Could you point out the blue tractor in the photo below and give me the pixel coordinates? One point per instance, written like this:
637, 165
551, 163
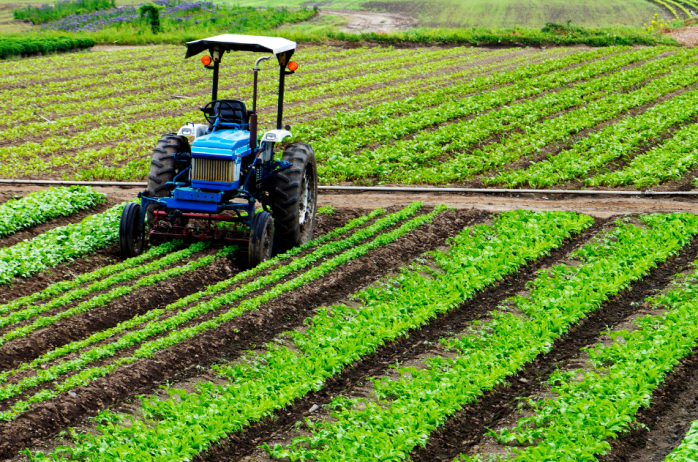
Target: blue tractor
210, 189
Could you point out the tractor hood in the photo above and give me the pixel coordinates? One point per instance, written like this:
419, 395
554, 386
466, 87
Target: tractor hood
222, 144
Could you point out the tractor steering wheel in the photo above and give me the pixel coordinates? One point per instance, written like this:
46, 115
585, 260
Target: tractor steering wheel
211, 115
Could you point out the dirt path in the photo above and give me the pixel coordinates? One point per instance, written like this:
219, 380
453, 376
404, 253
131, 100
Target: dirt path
601, 207
370, 21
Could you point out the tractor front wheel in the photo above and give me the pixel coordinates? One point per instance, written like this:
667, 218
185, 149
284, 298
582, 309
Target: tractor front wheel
131, 231
294, 199
261, 239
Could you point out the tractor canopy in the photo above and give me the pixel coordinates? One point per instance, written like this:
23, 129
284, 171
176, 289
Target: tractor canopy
282, 48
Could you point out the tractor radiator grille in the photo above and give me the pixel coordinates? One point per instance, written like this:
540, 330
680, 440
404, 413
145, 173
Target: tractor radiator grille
222, 171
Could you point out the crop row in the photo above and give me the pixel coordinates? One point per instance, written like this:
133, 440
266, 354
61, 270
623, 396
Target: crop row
337, 149
41, 206
531, 139
617, 141
395, 161
592, 406
141, 136
334, 339
63, 286
59, 245
411, 407
87, 85
104, 134
156, 266
114, 110
132, 86
350, 249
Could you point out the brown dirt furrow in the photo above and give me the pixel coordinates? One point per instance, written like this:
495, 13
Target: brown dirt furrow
240, 446
30, 233
466, 429
252, 328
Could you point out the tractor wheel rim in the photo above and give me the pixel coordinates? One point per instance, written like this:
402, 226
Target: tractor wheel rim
267, 241
304, 199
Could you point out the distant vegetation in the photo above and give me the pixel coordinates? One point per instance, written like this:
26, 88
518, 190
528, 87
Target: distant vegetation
174, 21
45, 13
23, 45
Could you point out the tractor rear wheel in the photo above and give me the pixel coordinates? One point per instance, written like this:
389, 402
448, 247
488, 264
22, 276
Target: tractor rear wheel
164, 168
261, 239
294, 199
131, 231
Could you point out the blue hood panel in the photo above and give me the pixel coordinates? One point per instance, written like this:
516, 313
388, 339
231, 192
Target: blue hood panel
221, 144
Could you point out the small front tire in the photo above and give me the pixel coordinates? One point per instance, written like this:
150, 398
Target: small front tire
261, 239
131, 233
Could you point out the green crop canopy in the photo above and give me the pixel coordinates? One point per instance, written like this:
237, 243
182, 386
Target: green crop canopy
232, 42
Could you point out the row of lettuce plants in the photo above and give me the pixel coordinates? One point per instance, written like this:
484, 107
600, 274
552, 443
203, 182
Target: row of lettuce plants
175, 321
392, 162
592, 406
617, 141
370, 115
668, 161
105, 271
60, 245
132, 105
146, 128
340, 149
334, 339
66, 85
74, 295
410, 408
38, 207
531, 139
139, 320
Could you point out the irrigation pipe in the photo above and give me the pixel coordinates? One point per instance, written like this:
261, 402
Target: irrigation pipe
397, 189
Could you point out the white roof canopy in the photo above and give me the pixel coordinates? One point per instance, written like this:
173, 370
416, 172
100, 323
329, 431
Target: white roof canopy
225, 42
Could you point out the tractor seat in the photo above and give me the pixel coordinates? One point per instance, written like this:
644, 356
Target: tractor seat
233, 112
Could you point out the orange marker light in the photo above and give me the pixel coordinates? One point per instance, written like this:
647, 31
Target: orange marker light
292, 66
206, 60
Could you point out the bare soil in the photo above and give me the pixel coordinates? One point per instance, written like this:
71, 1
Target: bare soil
371, 21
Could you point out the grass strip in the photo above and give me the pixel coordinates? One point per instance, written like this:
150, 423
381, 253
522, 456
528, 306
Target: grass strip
592, 406
335, 338
38, 207
176, 336
410, 408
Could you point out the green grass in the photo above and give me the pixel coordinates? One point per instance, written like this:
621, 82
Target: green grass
500, 13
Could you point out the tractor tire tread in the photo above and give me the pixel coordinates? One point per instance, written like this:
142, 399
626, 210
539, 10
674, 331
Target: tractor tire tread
286, 196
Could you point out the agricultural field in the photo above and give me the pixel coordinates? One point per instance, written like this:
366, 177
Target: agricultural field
602, 118
403, 330
410, 331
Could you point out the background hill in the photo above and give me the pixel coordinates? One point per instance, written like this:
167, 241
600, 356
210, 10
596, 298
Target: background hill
498, 13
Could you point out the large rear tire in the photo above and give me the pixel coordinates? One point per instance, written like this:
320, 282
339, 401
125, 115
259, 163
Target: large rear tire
294, 199
163, 169
261, 239
131, 231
